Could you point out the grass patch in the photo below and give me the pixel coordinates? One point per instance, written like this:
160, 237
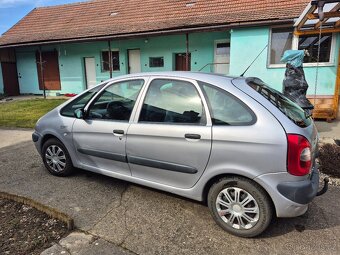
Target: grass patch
25, 114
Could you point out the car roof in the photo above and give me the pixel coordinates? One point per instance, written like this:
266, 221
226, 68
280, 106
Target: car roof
215, 79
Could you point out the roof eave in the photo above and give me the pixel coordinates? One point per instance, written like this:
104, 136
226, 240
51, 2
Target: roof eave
178, 30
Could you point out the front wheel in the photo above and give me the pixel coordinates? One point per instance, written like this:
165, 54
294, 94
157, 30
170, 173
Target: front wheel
240, 206
56, 158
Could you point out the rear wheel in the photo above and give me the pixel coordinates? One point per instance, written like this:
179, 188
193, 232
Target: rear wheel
240, 206
56, 158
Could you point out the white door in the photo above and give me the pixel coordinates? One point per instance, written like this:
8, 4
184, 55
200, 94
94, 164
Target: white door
90, 72
134, 61
222, 57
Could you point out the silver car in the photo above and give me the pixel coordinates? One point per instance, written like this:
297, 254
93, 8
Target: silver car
235, 143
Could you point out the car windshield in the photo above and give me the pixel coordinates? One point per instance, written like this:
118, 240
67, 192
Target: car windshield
80, 102
293, 111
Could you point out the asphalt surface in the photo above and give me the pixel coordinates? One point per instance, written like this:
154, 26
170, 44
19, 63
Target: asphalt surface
146, 221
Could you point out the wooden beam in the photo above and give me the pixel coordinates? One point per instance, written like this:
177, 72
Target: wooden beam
327, 15
337, 90
313, 32
305, 17
337, 24
334, 9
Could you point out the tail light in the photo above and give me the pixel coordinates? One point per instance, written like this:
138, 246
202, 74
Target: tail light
299, 160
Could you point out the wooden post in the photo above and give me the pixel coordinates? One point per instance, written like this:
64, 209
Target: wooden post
337, 90
42, 71
187, 68
110, 59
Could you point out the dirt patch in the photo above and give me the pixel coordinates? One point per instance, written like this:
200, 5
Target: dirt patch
25, 230
330, 160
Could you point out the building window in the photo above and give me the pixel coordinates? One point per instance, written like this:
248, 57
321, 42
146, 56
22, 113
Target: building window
106, 62
311, 44
156, 62
281, 40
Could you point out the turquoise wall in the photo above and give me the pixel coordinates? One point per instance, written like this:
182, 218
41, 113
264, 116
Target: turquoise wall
246, 44
1, 81
71, 58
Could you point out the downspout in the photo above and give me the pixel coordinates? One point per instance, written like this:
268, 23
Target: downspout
110, 59
42, 71
187, 67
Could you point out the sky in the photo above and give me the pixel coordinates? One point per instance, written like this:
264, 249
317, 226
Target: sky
11, 11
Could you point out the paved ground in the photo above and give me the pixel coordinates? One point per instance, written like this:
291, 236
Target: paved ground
146, 221
329, 130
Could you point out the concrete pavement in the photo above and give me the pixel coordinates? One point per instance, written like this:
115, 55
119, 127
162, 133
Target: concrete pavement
146, 221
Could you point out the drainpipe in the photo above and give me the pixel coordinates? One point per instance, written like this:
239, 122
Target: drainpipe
42, 71
110, 58
187, 52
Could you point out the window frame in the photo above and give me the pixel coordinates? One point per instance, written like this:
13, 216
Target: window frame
246, 107
161, 57
206, 113
102, 61
99, 93
295, 46
103, 84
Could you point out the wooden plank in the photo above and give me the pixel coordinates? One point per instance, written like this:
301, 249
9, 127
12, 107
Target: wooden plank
337, 24
313, 32
327, 15
302, 19
334, 9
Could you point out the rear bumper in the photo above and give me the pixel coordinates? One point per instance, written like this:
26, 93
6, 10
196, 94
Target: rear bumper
290, 194
302, 192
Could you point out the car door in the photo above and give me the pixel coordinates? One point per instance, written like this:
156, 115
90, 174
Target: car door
169, 141
100, 137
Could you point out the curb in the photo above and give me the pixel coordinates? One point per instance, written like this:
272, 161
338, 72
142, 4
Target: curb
43, 208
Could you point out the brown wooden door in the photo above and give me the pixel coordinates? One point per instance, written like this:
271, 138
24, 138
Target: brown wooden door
10, 78
50, 70
180, 61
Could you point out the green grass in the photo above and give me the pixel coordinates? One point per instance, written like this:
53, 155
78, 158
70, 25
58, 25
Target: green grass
25, 114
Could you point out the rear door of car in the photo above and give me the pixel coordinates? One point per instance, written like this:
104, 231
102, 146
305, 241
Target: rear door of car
169, 141
100, 137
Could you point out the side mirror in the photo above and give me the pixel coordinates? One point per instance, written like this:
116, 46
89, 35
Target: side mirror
79, 113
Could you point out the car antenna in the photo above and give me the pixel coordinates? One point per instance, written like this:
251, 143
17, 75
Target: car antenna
253, 61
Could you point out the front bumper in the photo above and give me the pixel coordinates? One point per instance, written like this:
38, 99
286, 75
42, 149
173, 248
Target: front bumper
36, 138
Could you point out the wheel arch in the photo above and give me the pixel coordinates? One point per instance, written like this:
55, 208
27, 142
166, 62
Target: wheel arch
214, 179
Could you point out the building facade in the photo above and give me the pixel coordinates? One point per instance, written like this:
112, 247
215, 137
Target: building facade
61, 61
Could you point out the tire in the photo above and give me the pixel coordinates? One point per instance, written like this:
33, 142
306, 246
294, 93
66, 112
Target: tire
247, 216
56, 158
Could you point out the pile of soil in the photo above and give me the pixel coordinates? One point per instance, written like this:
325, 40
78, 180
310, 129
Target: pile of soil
329, 158
25, 230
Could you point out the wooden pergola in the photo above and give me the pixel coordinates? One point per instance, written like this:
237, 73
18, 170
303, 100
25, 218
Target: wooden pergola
324, 14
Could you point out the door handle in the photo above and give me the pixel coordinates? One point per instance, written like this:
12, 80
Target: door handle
118, 132
193, 136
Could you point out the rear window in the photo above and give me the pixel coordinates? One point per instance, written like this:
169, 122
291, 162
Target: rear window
292, 110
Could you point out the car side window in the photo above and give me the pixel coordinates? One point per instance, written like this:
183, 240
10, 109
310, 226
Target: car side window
80, 102
172, 101
226, 109
116, 101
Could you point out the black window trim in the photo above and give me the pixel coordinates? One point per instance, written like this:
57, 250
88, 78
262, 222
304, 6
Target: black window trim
204, 121
101, 92
103, 85
246, 107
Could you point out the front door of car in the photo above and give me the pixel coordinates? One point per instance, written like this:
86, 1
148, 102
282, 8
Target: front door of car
169, 141
100, 137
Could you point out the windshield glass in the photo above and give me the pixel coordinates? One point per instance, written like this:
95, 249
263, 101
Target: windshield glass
80, 102
293, 111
